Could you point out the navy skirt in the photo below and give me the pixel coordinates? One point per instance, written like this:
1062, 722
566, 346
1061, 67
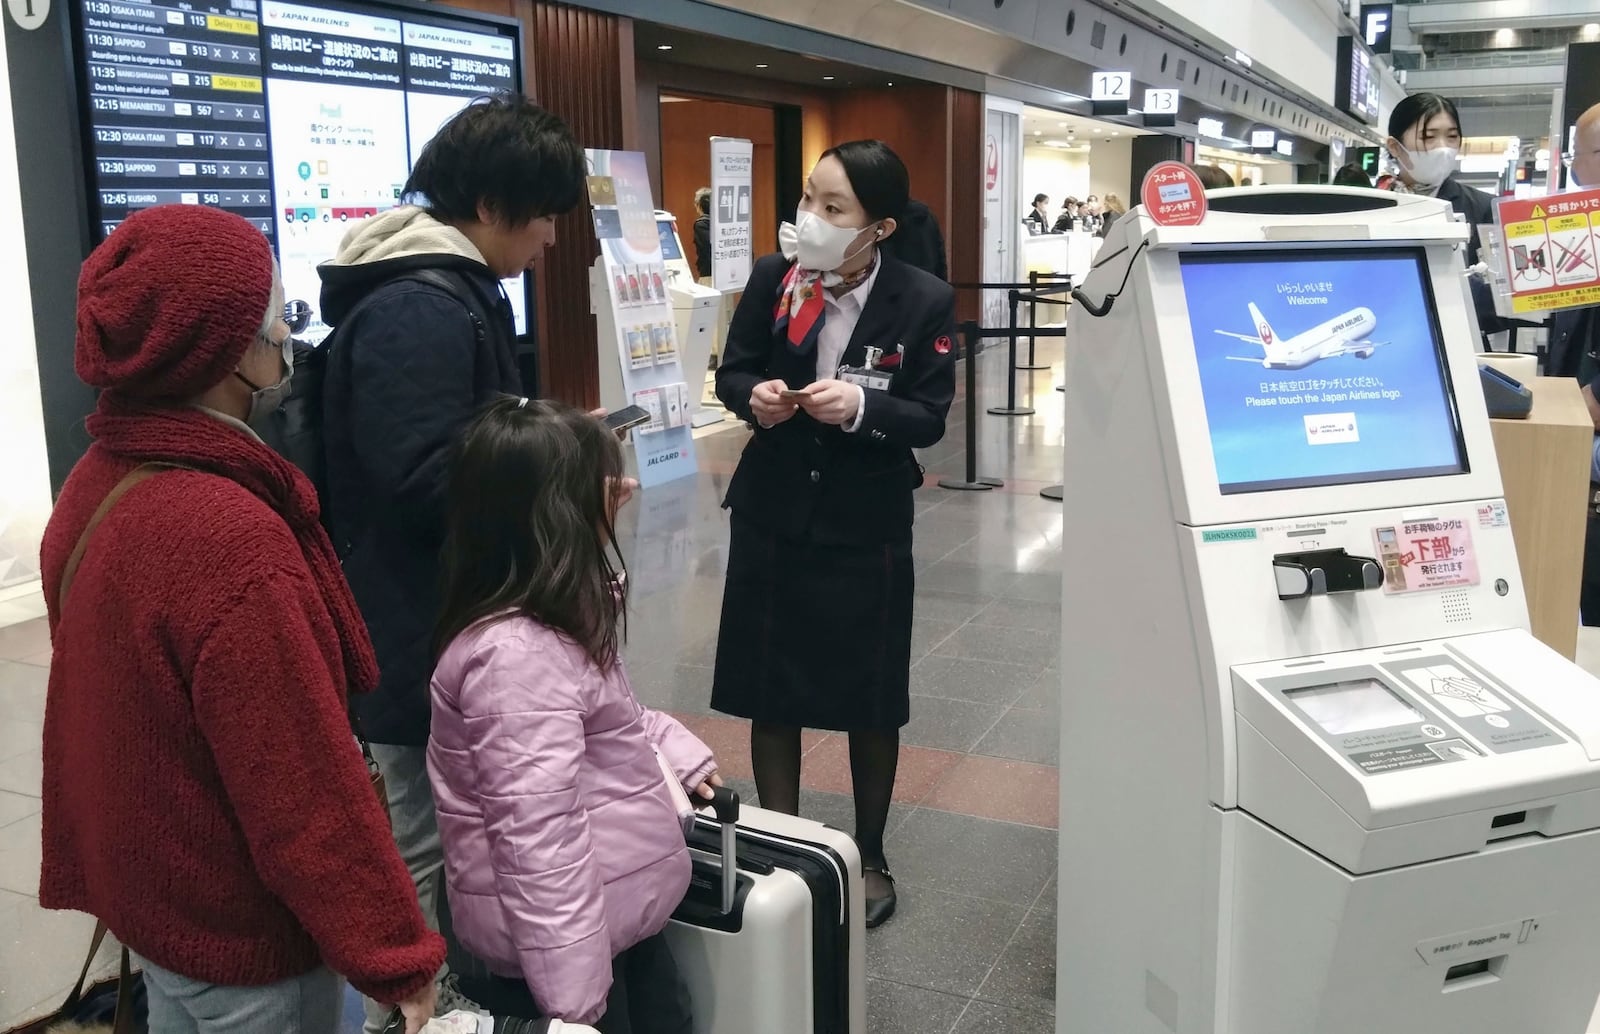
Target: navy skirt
813, 635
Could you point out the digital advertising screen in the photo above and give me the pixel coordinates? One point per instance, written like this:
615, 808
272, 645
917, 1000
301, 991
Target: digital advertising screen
303, 118
1321, 369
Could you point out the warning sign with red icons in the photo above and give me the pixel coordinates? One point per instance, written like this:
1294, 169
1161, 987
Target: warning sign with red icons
1553, 250
1173, 195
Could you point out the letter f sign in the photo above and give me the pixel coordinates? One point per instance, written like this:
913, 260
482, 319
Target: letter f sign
1377, 27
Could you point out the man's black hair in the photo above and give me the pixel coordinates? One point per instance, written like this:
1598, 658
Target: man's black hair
505, 152
1418, 110
877, 175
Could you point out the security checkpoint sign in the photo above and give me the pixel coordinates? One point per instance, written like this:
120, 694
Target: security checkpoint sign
1552, 250
1173, 195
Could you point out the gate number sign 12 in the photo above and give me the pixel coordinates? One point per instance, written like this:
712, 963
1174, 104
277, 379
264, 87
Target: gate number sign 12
1111, 86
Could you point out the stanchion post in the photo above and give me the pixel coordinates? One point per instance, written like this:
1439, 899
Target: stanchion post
1011, 408
970, 334
1033, 322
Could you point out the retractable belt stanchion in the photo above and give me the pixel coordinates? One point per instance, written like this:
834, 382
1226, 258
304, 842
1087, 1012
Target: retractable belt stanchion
970, 336
1011, 408
1033, 319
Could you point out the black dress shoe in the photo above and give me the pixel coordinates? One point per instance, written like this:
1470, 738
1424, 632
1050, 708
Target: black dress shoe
880, 909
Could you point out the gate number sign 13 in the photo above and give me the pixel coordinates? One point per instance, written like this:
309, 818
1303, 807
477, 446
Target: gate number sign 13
1111, 86
1161, 102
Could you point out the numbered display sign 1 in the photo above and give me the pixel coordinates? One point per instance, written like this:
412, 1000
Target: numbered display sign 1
1160, 108
29, 14
1110, 92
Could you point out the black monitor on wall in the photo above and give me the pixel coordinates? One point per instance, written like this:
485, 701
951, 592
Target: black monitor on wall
304, 118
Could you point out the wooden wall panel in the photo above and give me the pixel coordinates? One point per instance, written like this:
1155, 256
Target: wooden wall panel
582, 65
963, 235
686, 128
658, 77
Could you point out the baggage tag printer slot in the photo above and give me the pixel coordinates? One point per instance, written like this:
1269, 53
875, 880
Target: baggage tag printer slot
1320, 572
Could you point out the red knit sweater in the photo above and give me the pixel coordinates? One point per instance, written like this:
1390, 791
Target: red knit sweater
202, 791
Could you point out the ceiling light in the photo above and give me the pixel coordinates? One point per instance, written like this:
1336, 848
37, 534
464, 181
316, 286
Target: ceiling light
761, 66
1094, 130
827, 78
1505, 35
1038, 132
891, 84
1591, 30
1115, 134
664, 46
1062, 125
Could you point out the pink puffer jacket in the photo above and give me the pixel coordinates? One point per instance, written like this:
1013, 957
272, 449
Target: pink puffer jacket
562, 845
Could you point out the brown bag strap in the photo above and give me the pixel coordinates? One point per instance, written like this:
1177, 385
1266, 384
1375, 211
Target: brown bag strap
129, 481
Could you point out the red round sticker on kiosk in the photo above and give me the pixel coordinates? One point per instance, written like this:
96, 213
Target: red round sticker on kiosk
1173, 195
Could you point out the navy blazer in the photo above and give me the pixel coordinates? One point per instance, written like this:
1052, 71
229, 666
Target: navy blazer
806, 480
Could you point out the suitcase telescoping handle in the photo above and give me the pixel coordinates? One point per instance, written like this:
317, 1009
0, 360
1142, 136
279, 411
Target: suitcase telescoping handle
725, 806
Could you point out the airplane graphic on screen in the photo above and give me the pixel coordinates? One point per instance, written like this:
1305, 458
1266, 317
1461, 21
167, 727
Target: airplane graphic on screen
1349, 334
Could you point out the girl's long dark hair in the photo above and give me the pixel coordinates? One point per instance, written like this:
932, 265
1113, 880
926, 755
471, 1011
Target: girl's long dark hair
531, 526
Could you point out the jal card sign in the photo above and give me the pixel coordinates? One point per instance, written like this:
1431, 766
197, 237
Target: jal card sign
641, 311
1173, 195
1426, 554
731, 162
1553, 250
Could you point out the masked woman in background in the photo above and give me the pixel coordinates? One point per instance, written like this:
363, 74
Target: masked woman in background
1425, 142
842, 360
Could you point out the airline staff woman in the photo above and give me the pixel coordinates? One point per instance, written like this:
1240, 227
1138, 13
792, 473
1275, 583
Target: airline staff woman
1425, 142
842, 360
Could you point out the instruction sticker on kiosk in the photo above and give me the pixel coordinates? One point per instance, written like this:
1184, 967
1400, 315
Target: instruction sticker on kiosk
1173, 195
1427, 554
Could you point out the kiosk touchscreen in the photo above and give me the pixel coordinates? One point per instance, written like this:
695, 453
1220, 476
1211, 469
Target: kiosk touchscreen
1317, 777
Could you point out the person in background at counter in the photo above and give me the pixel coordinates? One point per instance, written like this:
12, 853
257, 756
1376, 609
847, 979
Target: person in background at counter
1115, 210
1067, 220
1038, 219
1575, 352
1425, 142
1212, 177
1089, 215
1352, 176
702, 232
842, 359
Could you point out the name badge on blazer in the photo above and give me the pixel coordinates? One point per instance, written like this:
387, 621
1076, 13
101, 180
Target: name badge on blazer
876, 373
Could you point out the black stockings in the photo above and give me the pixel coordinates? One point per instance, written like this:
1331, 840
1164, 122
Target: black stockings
874, 759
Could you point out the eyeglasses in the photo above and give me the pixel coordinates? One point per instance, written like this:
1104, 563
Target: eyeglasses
298, 315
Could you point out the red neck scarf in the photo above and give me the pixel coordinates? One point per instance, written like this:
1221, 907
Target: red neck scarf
802, 309
145, 433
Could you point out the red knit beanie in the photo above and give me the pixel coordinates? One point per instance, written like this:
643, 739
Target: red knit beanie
170, 303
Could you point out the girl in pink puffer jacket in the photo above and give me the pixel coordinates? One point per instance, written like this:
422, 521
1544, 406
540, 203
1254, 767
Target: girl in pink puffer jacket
564, 853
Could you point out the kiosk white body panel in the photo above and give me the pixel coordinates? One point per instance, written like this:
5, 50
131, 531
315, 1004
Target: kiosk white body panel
1375, 808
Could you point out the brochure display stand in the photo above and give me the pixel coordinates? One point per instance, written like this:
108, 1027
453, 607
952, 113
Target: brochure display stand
639, 357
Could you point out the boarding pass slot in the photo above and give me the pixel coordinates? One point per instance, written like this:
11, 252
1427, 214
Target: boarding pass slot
1511, 825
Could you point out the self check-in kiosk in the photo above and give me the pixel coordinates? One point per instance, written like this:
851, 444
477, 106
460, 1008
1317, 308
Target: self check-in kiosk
697, 311
1316, 775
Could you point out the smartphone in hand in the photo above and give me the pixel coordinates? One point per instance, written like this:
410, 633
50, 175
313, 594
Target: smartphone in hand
627, 418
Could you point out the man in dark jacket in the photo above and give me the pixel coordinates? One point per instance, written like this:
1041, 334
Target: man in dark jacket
702, 232
412, 361
919, 242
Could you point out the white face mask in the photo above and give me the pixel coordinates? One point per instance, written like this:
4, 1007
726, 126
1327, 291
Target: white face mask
818, 245
1431, 168
266, 401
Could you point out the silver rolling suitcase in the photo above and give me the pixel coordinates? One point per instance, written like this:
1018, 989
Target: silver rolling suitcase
771, 936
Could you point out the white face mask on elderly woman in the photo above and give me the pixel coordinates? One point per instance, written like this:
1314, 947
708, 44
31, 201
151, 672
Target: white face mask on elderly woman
264, 401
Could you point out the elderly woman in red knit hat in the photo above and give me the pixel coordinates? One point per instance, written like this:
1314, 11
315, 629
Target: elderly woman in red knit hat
203, 795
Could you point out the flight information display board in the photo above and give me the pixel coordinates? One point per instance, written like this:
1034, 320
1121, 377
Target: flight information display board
302, 118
